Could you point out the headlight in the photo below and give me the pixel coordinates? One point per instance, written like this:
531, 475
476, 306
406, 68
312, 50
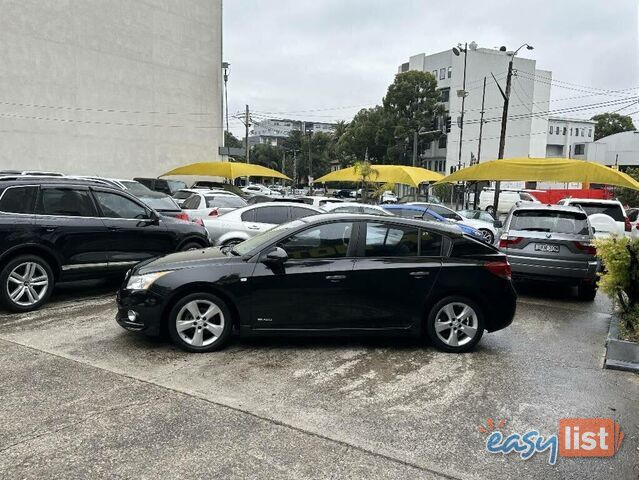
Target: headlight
143, 282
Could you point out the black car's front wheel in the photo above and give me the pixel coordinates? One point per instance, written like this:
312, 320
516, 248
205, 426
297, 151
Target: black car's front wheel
27, 283
200, 322
455, 324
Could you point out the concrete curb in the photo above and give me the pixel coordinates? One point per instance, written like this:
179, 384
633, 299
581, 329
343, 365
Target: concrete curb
620, 354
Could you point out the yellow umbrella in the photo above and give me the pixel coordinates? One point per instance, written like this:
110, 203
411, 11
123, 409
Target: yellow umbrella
543, 170
403, 174
230, 170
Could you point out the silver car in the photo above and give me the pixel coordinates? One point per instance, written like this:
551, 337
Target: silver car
551, 243
244, 223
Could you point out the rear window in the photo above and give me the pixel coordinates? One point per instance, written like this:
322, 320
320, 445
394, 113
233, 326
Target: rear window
612, 210
224, 201
550, 221
18, 200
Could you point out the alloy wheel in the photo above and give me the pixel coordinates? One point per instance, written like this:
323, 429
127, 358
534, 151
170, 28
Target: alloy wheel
488, 235
456, 324
200, 323
27, 284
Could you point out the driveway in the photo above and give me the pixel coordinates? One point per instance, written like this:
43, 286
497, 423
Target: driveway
80, 397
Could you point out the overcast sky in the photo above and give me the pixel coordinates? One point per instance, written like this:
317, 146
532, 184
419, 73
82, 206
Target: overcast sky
337, 56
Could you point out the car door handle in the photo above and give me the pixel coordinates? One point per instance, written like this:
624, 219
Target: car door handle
114, 229
419, 274
335, 278
253, 227
50, 229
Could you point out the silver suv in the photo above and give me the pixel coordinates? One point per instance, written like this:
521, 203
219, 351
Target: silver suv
551, 243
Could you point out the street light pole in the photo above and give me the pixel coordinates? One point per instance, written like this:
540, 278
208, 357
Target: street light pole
225, 66
456, 51
504, 117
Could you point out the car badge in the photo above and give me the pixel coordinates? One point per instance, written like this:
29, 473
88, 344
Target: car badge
548, 235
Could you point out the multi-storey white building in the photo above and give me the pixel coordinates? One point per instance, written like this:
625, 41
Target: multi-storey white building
529, 99
275, 131
568, 137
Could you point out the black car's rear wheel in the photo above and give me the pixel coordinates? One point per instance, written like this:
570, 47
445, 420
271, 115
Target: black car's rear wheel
587, 291
26, 282
200, 322
455, 324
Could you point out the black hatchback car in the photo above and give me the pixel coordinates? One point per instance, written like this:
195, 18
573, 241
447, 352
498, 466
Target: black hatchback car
59, 229
326, 274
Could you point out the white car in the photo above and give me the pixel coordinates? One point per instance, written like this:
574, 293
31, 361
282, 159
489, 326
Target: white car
211, 204
181, 195
256, 189
507, 199
319, 201
595, 208
388, 197
488, 230
246, 222
352, 207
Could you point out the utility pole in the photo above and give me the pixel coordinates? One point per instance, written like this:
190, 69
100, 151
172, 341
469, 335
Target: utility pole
294, 170
481, 131
504, 116
225, 66
310, 163
415, 142
247, 124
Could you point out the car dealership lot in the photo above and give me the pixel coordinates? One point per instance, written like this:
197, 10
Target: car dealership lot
82, 397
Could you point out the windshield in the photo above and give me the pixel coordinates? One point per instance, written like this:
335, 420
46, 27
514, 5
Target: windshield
251, 244
549, 221
612, 210
225, 201
161, 203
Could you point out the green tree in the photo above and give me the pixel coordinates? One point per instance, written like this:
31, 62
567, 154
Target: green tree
628, 196
367, 173
267, 155
611, 123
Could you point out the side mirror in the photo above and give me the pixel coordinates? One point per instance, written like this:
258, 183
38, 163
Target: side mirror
276, 256
594, 230
154, 218
498, 224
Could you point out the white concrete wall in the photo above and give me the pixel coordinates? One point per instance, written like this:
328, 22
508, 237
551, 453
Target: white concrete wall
119, 88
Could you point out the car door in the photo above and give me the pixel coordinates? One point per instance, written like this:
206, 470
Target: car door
394, 273
313, 289
133, 235
67, 221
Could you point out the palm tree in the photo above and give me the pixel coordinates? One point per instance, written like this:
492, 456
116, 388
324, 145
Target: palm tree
364, 169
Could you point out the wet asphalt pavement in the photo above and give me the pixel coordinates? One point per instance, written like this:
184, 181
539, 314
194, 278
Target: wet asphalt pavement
82, 398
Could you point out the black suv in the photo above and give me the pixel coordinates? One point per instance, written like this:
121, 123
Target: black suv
62, 229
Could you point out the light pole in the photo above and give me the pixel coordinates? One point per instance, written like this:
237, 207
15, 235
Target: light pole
457, 51
504, 116
225, 67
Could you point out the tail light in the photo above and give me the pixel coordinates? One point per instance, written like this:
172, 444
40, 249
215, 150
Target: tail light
585, 247
501, 269
183, 216
214, 213
627, 224
505, 241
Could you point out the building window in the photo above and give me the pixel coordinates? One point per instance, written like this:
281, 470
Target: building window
428, 144
444, 95
590, 132
565, 130
435, 74
405, 67
551, 130
442, 73
442, 141
576, 132
583, 132
450, 72
571, 132
556, 130
580, 148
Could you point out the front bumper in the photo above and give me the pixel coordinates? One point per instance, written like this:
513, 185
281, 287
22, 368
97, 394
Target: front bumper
148, 308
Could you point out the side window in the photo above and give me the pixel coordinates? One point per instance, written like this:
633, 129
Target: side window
117, 206
445, 212
18, 199
326, 241
273, 215
66, 202
430, 244
249, 215
391, 240
301, 212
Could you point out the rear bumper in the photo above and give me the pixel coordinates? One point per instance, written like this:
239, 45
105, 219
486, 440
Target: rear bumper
501, 311
553, 270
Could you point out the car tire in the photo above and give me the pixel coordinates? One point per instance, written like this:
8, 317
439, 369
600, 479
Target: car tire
192, 328
587, 292
449, 322
35, 273
488, 235
190, 246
